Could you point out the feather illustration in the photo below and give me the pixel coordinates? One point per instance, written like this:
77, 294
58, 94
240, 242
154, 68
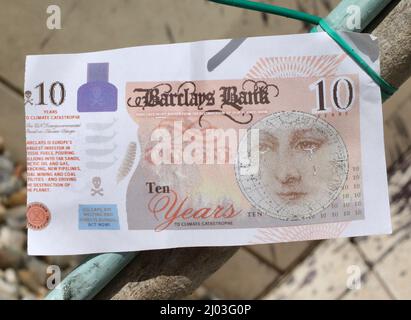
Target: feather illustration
99, 139
98, 126
97, 165
100, 152
128, 161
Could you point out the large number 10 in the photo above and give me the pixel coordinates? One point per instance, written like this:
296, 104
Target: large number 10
52, 92
339, 84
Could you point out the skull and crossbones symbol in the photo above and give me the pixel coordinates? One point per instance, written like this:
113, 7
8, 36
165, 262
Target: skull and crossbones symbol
96, 181
28, 99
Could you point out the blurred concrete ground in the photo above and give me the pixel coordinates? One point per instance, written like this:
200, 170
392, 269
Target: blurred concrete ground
292, 270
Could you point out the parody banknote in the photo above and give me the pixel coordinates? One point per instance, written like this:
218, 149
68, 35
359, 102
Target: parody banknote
211, 143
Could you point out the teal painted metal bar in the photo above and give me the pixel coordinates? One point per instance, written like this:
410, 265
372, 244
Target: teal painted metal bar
91, 276
368, 12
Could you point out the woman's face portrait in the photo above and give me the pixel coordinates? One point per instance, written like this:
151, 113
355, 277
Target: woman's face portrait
303, 165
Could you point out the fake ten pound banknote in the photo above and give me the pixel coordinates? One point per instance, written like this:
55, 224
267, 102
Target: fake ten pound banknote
212, 143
